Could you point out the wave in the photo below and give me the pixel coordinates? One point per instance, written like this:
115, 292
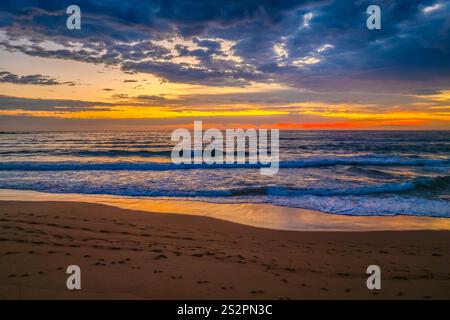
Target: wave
389, 205
423, 183
102, 153
356, 201
90, 153
149, 166
364, 161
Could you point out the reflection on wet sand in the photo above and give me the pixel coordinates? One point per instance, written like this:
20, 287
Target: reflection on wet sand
258, 215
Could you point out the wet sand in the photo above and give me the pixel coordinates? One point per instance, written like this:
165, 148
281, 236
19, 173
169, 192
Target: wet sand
252, 214
131, 254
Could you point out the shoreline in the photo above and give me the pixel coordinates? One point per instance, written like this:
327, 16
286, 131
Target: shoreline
257, 215
130, 254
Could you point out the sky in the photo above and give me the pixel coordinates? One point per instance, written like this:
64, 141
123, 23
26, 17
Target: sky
294, 65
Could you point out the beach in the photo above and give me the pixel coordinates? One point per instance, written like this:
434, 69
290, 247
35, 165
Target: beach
229, 150
131, 254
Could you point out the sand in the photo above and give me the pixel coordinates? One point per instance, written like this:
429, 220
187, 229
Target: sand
261, 215
129, 254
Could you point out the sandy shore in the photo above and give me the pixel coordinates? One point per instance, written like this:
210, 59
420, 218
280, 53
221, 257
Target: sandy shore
252, 214
134, 254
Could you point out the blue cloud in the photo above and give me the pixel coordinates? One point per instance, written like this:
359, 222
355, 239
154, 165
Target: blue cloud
412, 48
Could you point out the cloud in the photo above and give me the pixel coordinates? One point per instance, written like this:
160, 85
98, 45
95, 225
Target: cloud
293, 100
28, 104
432, 8
427, 92
326, 45
34, 79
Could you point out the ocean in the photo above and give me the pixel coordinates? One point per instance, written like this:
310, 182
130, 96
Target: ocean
339, 172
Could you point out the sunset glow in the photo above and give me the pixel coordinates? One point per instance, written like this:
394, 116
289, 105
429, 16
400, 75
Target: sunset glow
304, 76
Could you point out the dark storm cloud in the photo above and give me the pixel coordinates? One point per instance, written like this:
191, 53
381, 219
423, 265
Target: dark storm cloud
27, 104
411, 51
427, 92
183, 73
34, 79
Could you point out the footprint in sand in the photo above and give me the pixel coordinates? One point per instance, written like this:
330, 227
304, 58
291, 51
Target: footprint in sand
99, 264
257, 292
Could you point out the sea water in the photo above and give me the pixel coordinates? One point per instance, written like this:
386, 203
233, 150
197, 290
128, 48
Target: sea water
341, 172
